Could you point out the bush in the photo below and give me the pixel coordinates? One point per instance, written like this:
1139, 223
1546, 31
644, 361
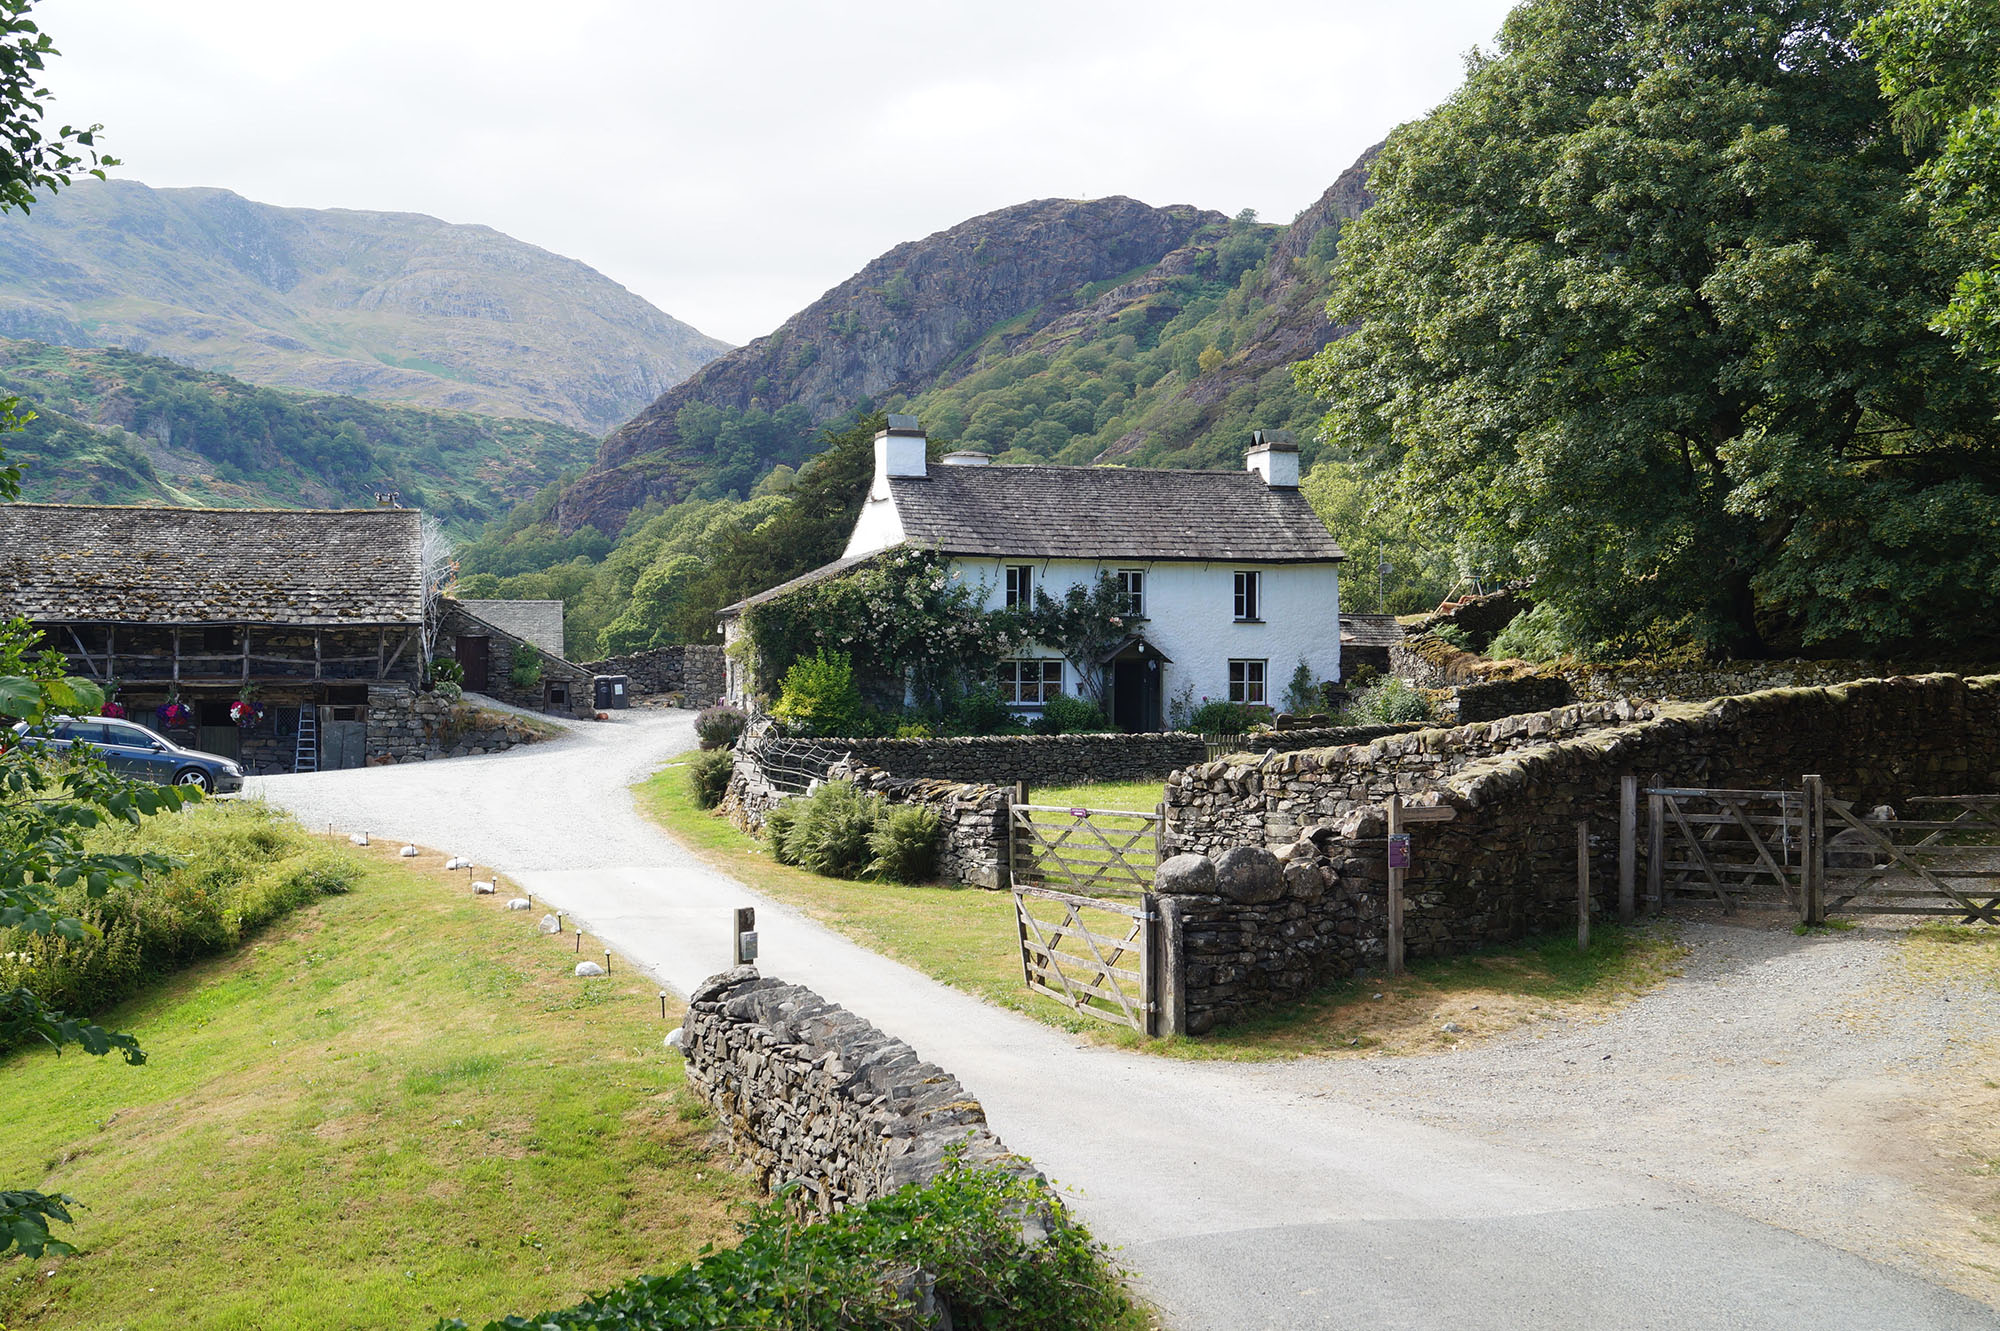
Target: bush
449, 691
905, 842
708, 777
1391, 702
963, 1228
445, 670
778, 820
1536, 634
1221, 718
830, 831
982, 711
526, 670
1065, 715
241, 867
719, 727
1301, 694
818, 696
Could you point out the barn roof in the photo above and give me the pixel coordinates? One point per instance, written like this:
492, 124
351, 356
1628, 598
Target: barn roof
1110, 513
130, 565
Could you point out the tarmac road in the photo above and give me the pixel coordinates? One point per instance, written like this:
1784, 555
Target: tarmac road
1239, 1202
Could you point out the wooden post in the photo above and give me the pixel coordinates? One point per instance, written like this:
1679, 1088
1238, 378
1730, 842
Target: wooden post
1628, 847
1812, 851
1656, 853
246, 655
1149, 964
177, 653
1395, 809
1019, 796
1583, 885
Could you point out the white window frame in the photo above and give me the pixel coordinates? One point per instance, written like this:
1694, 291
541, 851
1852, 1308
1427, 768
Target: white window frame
1249, 596
1249, 681
1018, 690
1133, 582
1019, 580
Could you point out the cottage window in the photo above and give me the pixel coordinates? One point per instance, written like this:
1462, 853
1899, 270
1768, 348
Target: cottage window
1030, 683
1020, 585
1133, 582
1246, 680
1248, 599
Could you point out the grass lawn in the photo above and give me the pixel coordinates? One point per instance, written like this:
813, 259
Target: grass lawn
1137, 796
390, 1106
965, 937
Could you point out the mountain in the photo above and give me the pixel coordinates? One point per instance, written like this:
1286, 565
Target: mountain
395, 307
114, 426
891, 329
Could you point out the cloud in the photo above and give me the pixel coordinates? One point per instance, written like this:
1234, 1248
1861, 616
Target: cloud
731, 163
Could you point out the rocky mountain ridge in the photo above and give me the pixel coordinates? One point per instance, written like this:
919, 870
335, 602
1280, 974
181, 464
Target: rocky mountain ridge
395, 307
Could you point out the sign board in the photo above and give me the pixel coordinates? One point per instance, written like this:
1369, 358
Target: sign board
745, 950
1399, 850
1440, 813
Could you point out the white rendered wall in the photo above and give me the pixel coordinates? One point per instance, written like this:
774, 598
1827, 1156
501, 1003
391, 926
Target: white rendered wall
879, 526
1190, 616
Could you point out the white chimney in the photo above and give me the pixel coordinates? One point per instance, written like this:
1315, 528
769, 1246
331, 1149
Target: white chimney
900, 450
968, 457
1275, 457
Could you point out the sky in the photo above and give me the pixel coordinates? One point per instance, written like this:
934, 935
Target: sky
732, 162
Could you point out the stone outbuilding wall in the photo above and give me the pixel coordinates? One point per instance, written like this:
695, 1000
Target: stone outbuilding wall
1505, 865
695, 671
406, 726
811, 1093
459, 622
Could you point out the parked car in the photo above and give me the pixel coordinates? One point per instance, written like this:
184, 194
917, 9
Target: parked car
131, 750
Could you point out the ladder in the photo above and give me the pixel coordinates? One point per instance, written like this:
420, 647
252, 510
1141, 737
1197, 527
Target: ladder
305, 756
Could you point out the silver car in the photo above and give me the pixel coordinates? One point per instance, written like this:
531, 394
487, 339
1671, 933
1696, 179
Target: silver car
131, 750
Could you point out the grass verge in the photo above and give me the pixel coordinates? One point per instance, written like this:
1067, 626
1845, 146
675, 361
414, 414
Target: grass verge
1953, 952
965, 937
390, 1106
1137, 796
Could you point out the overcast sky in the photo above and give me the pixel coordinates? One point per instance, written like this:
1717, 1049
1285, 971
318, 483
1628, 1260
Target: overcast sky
730, 162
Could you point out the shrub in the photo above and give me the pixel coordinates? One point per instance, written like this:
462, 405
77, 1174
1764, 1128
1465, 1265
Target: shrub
1301, 694
915, 730
719, 727
818, 696
1391, 702
1065, 715
851, 1270
449, 691
445, 670
1536, 634
905, 842
982, 711
526, 670
708, 777
1455, 635
829, 833
1221, 718
241, 867
778, 820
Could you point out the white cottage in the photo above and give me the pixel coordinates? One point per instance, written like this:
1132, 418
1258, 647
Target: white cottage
1233, 578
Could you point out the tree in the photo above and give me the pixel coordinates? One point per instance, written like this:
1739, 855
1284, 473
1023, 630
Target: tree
1940, 62
1644, 304
30, 158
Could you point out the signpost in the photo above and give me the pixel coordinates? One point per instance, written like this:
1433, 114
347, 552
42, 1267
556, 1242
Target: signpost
1399, 864
745, 950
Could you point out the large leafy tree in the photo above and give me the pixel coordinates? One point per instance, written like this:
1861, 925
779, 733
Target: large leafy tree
1940, 61
32, 156
1646, 303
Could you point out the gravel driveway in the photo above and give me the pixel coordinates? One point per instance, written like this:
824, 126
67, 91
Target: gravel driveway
1696, 1178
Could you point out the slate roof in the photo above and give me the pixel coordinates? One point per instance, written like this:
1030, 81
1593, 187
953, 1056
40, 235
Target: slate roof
129, 565
1370, 631
804, 579
1110, 513
539, 622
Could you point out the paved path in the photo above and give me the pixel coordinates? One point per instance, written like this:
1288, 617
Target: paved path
1239, 1202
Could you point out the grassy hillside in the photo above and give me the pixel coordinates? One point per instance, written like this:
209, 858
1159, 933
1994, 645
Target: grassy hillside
118, 427
396, 1105
393, 307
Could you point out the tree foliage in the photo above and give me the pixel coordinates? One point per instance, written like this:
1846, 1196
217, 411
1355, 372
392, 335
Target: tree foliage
1940, 62
1645, 304
33, 158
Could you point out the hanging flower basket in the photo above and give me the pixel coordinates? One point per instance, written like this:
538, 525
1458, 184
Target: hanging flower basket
113, 709
175, 715
246, 713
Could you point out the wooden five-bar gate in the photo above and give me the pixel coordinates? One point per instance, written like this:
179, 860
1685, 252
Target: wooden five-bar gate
1805, 852
1084, 907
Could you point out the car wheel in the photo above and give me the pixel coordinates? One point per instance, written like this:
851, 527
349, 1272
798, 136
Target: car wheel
194, 776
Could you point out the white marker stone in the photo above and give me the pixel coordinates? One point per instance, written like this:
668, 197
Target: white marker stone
586, 969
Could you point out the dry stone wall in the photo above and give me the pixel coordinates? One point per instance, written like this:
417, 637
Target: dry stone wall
1633, 679
972, 819
1505, 865
693, 670
406, 726
1466, 687
811, 1093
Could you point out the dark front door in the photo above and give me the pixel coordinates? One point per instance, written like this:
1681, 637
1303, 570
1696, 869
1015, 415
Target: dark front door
1135, 695
472, 655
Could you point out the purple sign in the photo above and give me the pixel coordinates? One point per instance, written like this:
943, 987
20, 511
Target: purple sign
1399, 851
